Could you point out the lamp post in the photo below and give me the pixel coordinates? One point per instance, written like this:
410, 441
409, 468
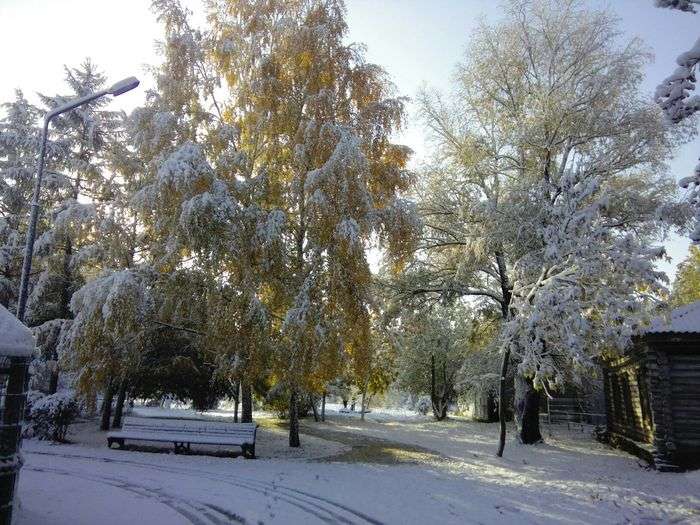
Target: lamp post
117, 89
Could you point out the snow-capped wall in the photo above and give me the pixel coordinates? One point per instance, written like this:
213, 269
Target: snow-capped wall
15, 338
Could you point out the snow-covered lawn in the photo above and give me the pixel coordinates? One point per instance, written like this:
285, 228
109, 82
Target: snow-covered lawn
571, 479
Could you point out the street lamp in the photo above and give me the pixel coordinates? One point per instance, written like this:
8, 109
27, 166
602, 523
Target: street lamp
115, 90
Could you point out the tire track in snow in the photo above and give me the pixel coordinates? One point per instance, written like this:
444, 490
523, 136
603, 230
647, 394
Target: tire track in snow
193, 512
325, 509
316, 510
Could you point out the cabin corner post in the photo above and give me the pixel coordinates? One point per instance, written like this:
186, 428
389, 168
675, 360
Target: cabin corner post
659, 379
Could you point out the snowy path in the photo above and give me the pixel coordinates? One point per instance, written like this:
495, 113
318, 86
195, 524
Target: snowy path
571, 478
568, 480
198, 496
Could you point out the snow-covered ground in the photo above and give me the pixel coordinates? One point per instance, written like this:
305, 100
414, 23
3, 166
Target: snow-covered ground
571, 479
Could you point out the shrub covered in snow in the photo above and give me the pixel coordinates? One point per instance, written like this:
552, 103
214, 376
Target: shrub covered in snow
277, 401
423, 405
50, 416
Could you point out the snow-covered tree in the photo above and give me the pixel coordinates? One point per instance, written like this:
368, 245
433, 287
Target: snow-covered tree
81, 199
675, 98
315, 122
433, 346
547, 189
681, 5
75, 197
19, 146
106, 338
211, 240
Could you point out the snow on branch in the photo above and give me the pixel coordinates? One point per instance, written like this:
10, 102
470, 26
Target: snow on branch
681, 5
673, 96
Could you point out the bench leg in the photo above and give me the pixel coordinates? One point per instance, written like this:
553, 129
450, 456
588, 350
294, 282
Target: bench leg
248, 451
118, 441
181, 447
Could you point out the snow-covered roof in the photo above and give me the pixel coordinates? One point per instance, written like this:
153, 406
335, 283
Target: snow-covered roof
684, 319
15, 338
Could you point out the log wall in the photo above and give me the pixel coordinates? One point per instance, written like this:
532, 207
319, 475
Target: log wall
653, 397
627, 400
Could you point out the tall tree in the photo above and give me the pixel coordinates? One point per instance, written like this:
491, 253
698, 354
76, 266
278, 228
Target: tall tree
432, 350
674, 97
19, 139
547, 187
81, 198
211, 243
76, 190
686, 287
316, 120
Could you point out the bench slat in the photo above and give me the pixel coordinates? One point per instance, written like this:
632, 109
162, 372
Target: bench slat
201, 439
186, 431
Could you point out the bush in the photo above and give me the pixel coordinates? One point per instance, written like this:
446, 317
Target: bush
424, 405
50, 416
32, 397
277, 402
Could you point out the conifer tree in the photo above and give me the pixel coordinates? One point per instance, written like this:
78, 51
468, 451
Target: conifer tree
81, 197
19, 137
75, 195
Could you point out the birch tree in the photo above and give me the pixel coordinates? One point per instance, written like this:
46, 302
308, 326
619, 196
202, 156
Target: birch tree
211, 242
316, 119
547, 189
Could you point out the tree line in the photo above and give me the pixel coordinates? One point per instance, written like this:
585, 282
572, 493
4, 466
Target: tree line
215, 242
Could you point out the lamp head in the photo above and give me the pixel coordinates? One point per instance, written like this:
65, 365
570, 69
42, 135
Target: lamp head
123, 86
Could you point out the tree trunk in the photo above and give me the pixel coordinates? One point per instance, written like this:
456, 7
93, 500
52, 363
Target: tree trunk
119, 408
438, 402
314, 408
236, 401
432, 383
246, 403
502, 403
107, 407
505, 313
323, 406
91, 404
440, 405
293, 420
363, 404
53, 380
66, 294
527, 411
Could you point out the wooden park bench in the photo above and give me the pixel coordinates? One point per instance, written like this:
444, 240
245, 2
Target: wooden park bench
183, 432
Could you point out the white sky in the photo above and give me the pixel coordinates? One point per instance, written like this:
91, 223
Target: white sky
417, 41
